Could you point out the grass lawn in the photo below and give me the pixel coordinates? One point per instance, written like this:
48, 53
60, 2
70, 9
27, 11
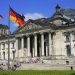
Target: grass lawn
37, 72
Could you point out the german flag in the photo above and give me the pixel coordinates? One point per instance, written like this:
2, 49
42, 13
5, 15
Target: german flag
17, 18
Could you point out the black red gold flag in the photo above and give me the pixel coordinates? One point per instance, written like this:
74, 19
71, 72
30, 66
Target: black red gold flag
17, 18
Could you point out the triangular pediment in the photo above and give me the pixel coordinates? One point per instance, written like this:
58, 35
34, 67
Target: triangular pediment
30, 26
59, 21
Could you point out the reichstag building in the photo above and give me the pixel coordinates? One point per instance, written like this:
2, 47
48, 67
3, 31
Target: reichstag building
50, 40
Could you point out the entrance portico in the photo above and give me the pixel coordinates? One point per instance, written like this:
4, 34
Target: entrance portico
36, 45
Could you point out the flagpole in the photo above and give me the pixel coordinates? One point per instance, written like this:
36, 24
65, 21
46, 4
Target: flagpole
9, 38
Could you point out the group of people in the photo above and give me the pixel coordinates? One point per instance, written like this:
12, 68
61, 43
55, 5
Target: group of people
15, 66
12, 67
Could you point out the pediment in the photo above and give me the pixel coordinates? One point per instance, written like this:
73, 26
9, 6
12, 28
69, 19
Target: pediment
59, 21
29, 26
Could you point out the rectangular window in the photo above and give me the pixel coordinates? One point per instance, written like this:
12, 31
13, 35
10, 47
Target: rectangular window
12, 45
67, 37
6, 45
68, 47
3, 55
3, 46
13, 54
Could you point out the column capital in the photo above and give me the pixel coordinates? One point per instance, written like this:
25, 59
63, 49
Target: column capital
42, 33
49, 32
22, 37
27, 35
35, 34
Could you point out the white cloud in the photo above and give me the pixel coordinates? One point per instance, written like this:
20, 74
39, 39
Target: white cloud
33, 16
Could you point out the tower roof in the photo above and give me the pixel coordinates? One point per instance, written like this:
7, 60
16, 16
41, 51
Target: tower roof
57, 6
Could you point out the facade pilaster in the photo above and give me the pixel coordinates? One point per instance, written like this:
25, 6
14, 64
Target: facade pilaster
71, 43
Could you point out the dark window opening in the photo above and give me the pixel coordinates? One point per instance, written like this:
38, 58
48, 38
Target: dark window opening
19, 43
68, 47
67, 37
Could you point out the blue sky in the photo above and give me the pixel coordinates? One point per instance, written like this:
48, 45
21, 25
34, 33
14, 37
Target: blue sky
31, 8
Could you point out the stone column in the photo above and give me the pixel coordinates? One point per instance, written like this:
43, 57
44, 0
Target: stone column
50, 45
28, 45
42, 44
16, 46
35, 44
22, 46
46, 50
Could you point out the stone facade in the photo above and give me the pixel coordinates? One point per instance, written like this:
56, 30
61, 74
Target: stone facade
47, 39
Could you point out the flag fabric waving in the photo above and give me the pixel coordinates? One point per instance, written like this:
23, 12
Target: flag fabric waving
17, 18
1, 17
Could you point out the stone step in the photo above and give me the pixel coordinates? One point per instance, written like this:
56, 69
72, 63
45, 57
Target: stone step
45, 67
